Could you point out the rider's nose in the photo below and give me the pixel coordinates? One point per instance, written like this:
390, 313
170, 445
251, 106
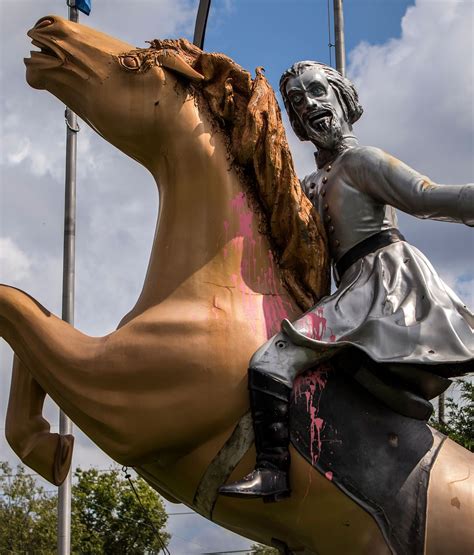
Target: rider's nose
44, 22
311, 102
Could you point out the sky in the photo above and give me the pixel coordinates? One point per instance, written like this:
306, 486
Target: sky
412, 63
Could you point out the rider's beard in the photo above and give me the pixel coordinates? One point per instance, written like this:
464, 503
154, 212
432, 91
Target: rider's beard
327, 134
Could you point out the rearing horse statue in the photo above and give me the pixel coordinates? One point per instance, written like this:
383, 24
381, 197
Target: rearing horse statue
238, 247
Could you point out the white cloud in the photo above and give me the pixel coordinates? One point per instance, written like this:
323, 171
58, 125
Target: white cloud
462, 285
13, 261
465, 288
417, 95
19, 151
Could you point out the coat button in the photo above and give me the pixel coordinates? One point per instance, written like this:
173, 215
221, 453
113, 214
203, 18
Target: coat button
337, 243
325, 179
326, 206
331, 229
328, 218
329, 168
323, 192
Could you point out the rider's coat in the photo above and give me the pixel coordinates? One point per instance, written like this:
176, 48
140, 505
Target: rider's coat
391, 304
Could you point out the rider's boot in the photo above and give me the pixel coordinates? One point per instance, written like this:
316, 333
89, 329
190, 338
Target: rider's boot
269, 401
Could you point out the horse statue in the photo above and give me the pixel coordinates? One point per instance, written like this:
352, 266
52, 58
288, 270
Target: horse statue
238, 247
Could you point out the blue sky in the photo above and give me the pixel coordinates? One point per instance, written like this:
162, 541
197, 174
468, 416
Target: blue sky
275, 34
413, 65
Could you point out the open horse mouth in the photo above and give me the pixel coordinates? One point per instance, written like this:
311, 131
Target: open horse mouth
48, 52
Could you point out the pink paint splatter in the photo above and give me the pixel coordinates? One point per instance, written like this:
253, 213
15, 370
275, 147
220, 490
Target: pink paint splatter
310, 385
250, 308
263, 278
329, 475
274, 305
315, 323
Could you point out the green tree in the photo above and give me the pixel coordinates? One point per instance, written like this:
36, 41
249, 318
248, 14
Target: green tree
107, 517
259, 549
27, 514
459, 419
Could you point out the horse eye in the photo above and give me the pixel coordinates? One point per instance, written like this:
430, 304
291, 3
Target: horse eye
130, 62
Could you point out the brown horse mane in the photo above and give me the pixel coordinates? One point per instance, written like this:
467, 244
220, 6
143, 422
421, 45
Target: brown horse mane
247, 111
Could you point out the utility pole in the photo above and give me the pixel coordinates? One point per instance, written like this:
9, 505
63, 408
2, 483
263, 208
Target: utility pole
69, 254
339, 37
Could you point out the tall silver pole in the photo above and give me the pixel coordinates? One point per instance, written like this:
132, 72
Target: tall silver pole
339, 37
65, 425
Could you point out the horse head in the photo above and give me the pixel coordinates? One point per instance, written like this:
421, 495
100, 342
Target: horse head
127, 95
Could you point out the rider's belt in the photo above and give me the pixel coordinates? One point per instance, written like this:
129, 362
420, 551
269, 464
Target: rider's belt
367, 246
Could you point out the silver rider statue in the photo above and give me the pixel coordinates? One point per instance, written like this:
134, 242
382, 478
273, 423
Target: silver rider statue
392, 321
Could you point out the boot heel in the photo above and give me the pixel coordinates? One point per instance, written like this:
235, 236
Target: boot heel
276, 497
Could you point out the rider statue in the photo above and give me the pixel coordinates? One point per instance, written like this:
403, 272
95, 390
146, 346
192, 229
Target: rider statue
392, 324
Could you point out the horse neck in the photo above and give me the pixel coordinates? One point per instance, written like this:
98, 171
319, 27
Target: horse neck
206, 228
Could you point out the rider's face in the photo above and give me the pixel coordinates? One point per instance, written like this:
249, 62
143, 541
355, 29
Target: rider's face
318, 108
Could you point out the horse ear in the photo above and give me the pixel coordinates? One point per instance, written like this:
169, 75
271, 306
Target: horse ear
172, 60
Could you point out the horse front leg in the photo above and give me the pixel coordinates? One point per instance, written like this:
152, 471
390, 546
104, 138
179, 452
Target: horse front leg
28, 433
97, 382
48, 351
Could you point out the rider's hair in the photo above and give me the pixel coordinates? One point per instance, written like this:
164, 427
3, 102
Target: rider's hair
342, 87
247, 112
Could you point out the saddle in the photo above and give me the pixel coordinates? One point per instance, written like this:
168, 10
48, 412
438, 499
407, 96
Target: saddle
378, 457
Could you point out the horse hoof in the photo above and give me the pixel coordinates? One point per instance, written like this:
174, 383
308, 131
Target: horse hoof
63, 458
50, 456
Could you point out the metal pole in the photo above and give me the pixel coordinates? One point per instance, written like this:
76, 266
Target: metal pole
65, 425
201, 23
339, 37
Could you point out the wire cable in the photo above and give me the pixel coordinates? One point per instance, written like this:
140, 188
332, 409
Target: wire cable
128, 476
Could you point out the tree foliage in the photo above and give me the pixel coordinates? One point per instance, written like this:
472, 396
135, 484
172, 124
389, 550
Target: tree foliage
107, 517
259, 549
459, 419
27, 514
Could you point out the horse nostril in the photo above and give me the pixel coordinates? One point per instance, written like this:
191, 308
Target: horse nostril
44, 22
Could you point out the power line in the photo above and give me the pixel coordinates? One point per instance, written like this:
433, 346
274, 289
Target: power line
145, 511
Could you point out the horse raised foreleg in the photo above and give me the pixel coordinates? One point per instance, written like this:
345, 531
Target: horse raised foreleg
47, 350
28, 433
